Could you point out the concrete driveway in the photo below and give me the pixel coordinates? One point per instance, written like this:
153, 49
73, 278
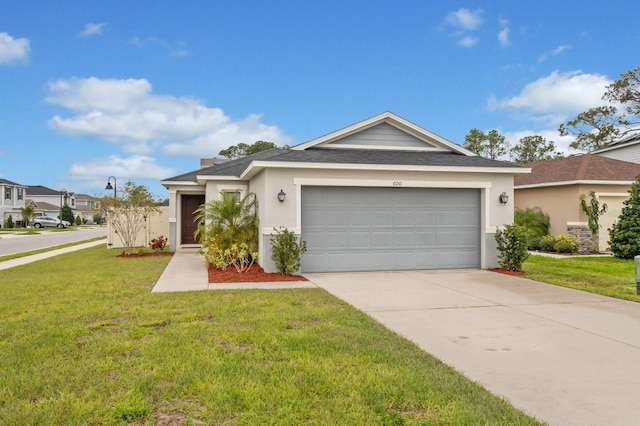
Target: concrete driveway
563, 356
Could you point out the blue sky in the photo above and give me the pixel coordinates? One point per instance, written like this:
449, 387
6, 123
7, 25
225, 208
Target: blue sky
142, 90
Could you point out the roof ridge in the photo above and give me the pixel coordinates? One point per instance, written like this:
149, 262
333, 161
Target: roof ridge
583, 167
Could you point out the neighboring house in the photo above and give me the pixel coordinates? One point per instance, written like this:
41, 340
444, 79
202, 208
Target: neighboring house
85, 207
44, 209
381, 194
626, 149
555, 185
39, 193
13, 198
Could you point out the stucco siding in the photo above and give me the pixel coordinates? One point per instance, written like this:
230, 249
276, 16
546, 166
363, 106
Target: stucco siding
561, 203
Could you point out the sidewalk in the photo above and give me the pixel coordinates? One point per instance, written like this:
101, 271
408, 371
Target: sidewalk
35, 257
187, 271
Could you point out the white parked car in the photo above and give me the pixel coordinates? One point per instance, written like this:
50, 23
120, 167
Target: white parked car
43, 221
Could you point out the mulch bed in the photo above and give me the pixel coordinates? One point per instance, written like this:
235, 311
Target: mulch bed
507, 272
254, 275
148, 254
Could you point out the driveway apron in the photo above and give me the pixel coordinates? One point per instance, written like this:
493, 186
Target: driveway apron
564, 356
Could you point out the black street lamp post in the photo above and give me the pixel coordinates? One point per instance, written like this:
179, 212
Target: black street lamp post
114, 187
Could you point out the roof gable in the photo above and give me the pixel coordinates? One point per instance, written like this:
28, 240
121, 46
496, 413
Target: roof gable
385, 131
577, 168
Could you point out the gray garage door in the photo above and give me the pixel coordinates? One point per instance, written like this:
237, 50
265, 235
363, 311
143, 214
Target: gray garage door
384, 229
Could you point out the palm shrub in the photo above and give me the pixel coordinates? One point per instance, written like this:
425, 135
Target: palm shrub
226, 222
624, 235
512, 247
535, 223
287, 251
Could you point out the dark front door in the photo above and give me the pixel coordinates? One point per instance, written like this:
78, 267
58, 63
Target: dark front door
190, 204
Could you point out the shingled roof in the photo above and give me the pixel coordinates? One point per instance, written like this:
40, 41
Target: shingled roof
585, 167
237, 167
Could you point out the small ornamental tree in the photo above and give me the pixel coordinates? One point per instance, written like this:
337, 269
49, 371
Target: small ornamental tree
512, 247
128, 213
287, 251
593, 210
624, 235
10, 222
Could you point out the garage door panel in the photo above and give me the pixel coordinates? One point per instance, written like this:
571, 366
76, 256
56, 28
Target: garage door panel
361, 229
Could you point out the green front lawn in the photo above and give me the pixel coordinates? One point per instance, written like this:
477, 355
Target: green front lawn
83, 341
607, 276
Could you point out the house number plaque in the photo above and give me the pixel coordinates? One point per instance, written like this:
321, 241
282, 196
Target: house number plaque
397, 183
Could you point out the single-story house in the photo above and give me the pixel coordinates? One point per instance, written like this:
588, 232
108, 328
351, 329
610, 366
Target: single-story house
381, 194
556, 185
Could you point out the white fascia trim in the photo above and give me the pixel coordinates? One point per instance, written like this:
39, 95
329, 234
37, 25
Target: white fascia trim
574, 182
167, 183
613, 148
249, 172
202, 179
612, 194
387, 148
390, 183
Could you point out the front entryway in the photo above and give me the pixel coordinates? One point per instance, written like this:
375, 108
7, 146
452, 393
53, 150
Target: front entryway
385, 229
190, 203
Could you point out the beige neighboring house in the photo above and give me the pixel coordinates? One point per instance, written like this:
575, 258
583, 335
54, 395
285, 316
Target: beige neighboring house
381, 194
555, 187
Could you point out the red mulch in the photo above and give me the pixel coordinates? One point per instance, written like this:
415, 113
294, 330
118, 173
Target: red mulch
147, 254
254, 275
507, 272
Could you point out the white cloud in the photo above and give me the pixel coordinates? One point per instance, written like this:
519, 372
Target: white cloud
13, 49
91, 175
91, 30
468, 41
125, 112
465, 19
503, 35
555, 52
129, 168
553, 98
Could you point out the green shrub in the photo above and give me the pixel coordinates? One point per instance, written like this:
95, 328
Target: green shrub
98, 219
78, 220
547, 243
512, 247
10, 222
534, 244
624, 235
565, 244
287, 251
534, 221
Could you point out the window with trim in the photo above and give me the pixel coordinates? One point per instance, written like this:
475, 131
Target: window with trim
7, 192
231, 194
20, 193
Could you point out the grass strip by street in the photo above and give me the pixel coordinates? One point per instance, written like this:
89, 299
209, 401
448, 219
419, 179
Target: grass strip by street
84, 341
47, 249
607, 276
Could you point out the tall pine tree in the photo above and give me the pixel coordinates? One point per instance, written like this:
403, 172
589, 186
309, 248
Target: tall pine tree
624, 236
